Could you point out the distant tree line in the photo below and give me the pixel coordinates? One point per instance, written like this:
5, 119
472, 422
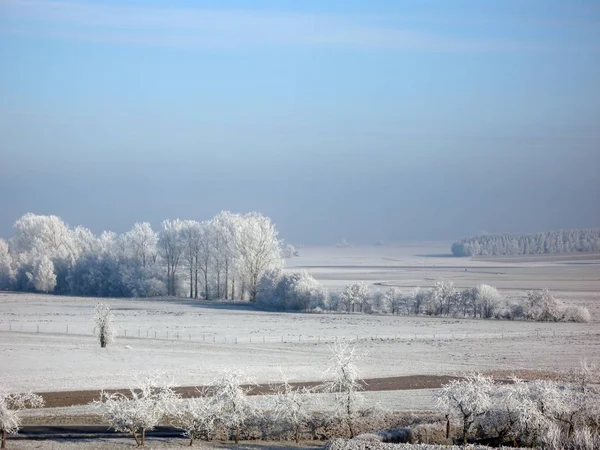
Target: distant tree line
568, 241
299, 291
221, 258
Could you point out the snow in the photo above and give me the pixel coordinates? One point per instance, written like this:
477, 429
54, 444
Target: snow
202, 337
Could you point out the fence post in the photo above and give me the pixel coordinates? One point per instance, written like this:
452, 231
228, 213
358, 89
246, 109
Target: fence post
125, 332
236, 340
154, 334
67, 329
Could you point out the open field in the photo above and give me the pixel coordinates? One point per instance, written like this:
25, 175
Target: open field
46, 342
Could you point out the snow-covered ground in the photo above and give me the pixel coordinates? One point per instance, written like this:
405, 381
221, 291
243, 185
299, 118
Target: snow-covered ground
203, 339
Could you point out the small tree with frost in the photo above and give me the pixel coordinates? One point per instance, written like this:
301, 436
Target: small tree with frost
292, 405
10, 406
232, 400
141, 410
345, 384
196, 417
354, 296
467, 399
105, 328
44, 278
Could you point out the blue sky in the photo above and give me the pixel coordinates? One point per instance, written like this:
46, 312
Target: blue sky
364, 120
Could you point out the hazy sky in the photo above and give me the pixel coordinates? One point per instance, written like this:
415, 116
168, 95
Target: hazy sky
365, 120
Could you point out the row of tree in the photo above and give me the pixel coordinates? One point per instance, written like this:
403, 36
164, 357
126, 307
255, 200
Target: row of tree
224, 257
224, 403
567, 241
299, 291
547, 413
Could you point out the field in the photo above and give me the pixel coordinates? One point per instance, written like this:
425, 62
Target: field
47, 343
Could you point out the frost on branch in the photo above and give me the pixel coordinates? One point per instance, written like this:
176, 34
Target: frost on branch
467, 400
292, 405
104, 324
197, 417
142, 409
10, 405
345, 384
232, 400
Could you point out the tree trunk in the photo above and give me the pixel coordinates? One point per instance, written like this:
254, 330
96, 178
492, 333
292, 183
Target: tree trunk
206, 284
226, 278
297, 435
143, 436
447, 427
237, 434
233, 289
219, 285
191, 282
191, 441
135, 436
3, 439
465, 431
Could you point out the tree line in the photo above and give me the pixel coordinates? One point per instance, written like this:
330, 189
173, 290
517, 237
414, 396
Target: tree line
299, 291
567, 241
223, 257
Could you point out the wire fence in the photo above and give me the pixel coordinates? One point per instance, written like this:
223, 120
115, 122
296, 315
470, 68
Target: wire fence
212, 338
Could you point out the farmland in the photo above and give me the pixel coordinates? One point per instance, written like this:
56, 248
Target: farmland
47, 342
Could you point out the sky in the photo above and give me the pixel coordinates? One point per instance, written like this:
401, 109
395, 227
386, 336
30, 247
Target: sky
367, 121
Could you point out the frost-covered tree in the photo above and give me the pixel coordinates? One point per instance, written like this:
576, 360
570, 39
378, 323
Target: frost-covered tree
288, 251
11, 404
542, 306
37, 236
344, 382
7, 273
293, 406
258, 247
584, 240
140, 242
105, 328
142, 409
467, 399
225, 228
232, 400
191, 234
44, 278
354, 296
197, 417
292, 291
170, 245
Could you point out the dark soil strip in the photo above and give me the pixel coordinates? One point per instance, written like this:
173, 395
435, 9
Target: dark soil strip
73, 398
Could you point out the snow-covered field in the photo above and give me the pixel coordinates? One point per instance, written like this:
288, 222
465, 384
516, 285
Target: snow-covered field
203, 339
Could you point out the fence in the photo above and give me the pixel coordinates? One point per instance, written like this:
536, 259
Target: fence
211, 338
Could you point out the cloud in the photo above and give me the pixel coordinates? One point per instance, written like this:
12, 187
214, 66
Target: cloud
228, 29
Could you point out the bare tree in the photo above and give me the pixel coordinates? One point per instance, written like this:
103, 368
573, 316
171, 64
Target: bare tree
103, 319
142, 410
467, 399
292, 405
10, 406
258, 247
345, 384
171, 249
232, 400
196, 417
